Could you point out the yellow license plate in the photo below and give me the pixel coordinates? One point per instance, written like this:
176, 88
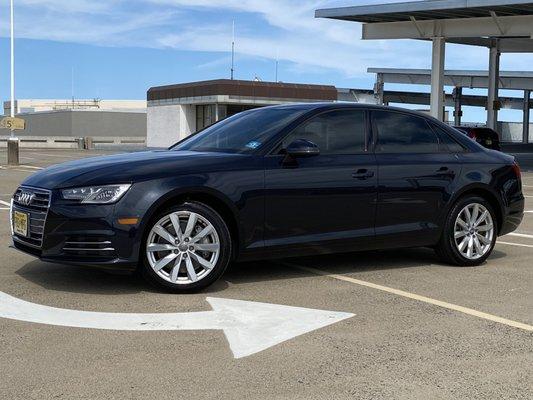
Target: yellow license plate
20, 223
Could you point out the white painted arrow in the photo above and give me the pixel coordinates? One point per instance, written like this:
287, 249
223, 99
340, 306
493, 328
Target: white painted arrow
250, 327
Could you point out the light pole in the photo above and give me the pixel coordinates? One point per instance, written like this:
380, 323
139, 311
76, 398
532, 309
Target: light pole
13, 142
232, 49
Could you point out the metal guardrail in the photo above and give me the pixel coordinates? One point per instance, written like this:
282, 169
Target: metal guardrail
65, 142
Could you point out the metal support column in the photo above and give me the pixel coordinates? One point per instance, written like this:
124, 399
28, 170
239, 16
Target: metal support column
458, 100
525, 128
379, 88
493, 104
437, 78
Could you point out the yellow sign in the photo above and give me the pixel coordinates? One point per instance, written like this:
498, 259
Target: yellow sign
13, 123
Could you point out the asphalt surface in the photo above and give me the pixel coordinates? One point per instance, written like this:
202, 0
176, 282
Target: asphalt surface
395, 347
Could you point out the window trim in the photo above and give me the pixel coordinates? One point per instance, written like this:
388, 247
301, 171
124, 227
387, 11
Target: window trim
442, 148
366, 119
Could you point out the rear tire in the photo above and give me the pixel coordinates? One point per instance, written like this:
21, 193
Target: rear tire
190, 259
469, 234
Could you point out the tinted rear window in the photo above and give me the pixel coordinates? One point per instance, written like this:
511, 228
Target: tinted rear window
447, 140
402, 133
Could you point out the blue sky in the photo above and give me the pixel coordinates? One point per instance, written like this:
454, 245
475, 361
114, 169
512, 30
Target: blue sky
117, 49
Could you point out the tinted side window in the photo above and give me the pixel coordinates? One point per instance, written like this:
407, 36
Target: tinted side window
401, 133
448, 141
335, 132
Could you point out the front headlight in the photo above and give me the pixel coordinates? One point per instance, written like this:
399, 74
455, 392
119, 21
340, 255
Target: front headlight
96, 194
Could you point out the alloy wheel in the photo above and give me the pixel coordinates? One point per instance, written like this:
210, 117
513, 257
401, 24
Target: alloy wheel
183, 247
474, 231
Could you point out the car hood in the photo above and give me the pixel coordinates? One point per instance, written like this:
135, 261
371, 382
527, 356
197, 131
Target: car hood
129, 167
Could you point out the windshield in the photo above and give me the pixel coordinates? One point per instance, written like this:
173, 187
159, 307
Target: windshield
241, 133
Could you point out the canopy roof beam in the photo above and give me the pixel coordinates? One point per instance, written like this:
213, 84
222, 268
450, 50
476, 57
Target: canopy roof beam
415, 22
497, 22
513, 26
507, 45
513, 80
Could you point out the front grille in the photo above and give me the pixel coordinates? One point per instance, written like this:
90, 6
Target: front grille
39, 199
92, 246
35, 202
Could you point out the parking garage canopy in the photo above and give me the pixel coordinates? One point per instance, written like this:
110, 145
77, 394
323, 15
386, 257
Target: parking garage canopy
503, 26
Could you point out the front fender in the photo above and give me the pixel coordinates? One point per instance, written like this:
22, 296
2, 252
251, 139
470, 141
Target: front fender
240, 193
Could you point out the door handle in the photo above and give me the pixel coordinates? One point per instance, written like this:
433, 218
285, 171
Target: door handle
445, 171
363, 174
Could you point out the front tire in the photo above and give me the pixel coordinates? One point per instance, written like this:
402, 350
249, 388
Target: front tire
186, 248
469, 234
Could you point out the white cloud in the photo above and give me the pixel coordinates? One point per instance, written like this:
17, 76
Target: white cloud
69, 6
286, 29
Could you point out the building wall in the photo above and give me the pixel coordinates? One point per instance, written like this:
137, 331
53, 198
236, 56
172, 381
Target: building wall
168, 124
103, 123
83, 123
512, 132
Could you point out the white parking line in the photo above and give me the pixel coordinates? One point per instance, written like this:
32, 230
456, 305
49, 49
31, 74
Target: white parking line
515, 244
54, 155
21, 170
522, 235
5, 203
450, 306
30, 166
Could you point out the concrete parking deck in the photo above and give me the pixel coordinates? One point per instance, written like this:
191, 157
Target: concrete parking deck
412, 337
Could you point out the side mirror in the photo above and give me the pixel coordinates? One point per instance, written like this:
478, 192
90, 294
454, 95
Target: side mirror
302, 148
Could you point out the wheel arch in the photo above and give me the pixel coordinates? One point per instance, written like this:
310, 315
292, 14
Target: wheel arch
209, 197
487, 193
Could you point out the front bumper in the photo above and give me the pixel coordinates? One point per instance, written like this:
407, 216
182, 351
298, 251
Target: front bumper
77, 234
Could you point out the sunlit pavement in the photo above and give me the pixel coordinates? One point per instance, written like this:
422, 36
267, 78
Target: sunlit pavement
405, 340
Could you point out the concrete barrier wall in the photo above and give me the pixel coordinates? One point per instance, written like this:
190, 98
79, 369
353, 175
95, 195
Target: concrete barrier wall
80, 123
62, 142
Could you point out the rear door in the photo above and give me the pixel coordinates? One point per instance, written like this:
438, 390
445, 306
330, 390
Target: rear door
416, 175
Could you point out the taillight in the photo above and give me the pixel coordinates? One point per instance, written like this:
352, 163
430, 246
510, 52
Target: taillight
516, 169
472, 134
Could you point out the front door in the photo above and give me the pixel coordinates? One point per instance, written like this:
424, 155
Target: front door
326, 202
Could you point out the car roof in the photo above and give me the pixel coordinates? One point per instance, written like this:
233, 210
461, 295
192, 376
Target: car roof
325, 106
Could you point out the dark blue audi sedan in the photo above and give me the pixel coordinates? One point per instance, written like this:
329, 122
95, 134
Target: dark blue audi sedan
274, 182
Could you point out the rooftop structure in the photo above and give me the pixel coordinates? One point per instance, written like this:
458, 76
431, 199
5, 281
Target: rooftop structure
240, 92
23, 106
176, 111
